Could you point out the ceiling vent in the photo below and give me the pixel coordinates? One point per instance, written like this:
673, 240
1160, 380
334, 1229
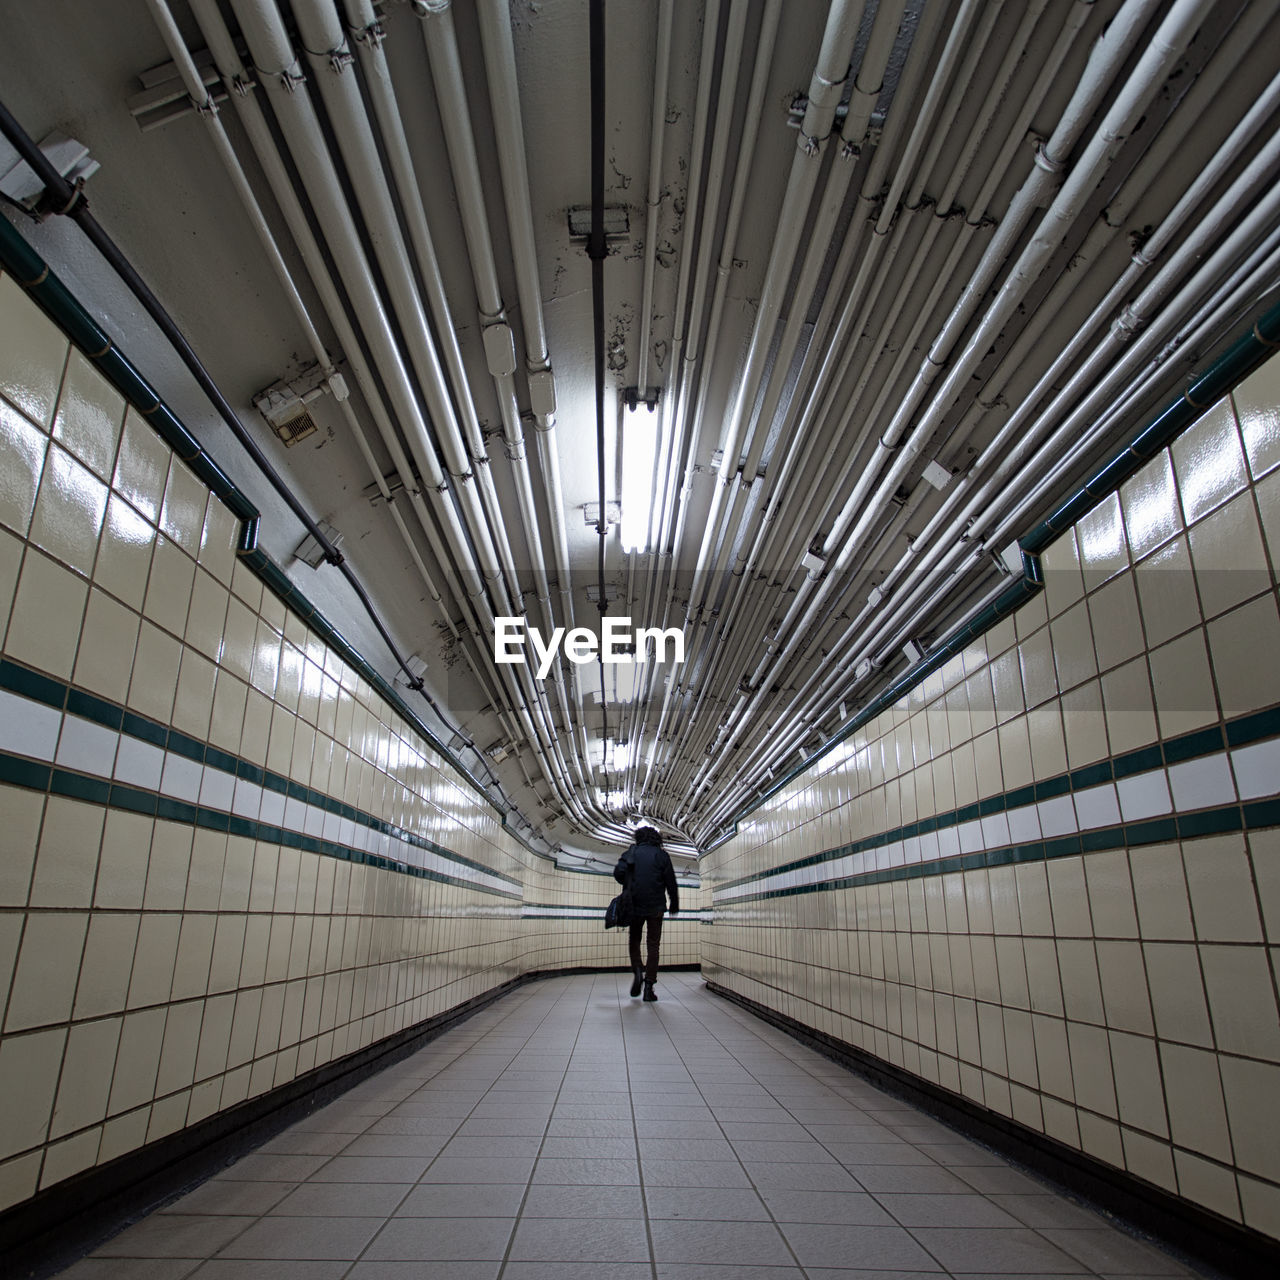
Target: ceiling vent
286, 404
617, 222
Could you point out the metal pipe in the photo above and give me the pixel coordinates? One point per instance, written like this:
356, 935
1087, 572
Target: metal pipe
1110, 52
330, 59
657, 136
250, 114
1099, 386
368, 36
266, 36
1153, 65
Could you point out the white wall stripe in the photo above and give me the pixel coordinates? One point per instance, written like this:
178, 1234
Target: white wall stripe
1202, 783
32, 729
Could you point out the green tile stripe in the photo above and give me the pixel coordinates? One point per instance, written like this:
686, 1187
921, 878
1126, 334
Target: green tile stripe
55, 693
1249, 816
78, 786
1241, 731
42, 284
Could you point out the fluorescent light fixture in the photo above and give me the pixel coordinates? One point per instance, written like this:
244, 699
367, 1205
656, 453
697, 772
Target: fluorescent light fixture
639, 457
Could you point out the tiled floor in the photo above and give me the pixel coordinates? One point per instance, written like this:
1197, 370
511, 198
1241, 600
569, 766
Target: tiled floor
569, 1132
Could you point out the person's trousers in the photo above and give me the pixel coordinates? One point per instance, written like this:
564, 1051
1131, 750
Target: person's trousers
654, 924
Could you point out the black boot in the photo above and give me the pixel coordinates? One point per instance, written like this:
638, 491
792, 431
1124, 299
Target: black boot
637, 979
648, 991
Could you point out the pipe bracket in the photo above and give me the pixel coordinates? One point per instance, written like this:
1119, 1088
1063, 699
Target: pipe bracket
76, 197
1046, 162
1126, 324
340, 59
290, 79
372, 35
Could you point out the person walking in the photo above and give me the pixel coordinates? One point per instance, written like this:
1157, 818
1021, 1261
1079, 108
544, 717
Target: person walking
648, 867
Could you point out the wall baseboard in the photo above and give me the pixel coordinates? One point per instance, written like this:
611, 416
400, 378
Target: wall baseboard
41, 1236
1214, 1245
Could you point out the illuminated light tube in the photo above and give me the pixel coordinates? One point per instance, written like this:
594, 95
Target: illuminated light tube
639, 457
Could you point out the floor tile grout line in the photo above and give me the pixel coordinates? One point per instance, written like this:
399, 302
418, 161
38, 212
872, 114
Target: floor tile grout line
745, 1171
524, 1199
431, 1162
635, 1127
801, 1065
1050, 1190
873, 1196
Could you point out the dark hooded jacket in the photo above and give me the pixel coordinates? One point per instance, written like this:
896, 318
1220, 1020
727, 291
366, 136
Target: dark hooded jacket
654, 878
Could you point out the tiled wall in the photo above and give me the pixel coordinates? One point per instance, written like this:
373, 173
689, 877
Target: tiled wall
225, 859
1048, 879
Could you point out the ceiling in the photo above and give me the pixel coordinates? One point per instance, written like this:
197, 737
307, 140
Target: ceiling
897, 275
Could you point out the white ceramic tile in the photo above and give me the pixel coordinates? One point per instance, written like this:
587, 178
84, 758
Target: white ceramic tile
1253, 1100
139, 763
32, 354
181, 778
90, 415
969, 835
1257, 769
1193, 1090
22, 456
1200, 784
248, 799
1144, 795
995, 831
1057, 816
28, 1077
1209, 462
47, 614
84, 1085
44, 983
219, 541
28, 728
1151, 510
124, 553
272, 811
183, 513
1024, 824
105, 662
1097, 807
217, 790
1242, 1002
69, 511
1219, 881
87, 747
295, 814
142, 466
